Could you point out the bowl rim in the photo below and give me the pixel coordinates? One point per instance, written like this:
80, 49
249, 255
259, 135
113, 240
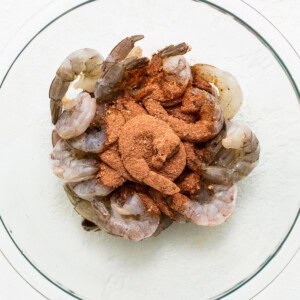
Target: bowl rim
231, 10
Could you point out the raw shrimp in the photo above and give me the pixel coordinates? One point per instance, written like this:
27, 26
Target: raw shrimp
77, 116
90, 189
232, 156
86, 62
138, 136
66, 165
170, 74
92, 140
230, 92
109, 85
194, 101
82, 207
115, 67
122, 50
212, 206
130, 220
179, 68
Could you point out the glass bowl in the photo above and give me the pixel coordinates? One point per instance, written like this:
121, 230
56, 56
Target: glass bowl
40, 234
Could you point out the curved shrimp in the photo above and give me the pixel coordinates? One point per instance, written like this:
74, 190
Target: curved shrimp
115, 67
230, 92
85, 62
170, 74
212, 206
136, 138
232, 156
122, 50
90, 189
129, 220
194, 101
66, 165
92, 141
76, 117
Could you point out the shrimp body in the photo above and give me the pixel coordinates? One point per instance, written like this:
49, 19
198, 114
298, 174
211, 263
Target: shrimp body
230, 92
70, 168
130, 220
164, 143
120, 60
90, 141
170, 74
179, 68
85, 62
194, 101
232, 156
77, 116
212, 206
90, 189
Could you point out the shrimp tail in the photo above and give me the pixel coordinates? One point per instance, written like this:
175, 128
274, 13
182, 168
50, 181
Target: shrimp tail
173, 50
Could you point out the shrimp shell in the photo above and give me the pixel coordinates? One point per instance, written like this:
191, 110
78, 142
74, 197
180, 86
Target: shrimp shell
230, 92
67, 166
129, 220
90, 189
232, 155
90, 141
85, 62
77, 119
212, 206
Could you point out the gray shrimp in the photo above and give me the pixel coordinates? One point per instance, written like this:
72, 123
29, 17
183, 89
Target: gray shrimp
76, 117
232, 155
212, 206
68, 166
230, 93
130, 220
86, 63
115, 67
177, 74
92, 140
174, 63
90, 189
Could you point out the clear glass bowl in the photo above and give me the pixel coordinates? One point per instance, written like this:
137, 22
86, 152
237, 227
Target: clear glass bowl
40, 234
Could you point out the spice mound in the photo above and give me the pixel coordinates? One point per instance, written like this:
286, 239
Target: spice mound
148, 142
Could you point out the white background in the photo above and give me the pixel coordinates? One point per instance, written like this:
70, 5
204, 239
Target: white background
284, 14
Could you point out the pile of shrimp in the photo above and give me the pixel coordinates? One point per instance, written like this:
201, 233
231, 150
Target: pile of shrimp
148, 142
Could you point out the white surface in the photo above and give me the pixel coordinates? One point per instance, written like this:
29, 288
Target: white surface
12, 287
